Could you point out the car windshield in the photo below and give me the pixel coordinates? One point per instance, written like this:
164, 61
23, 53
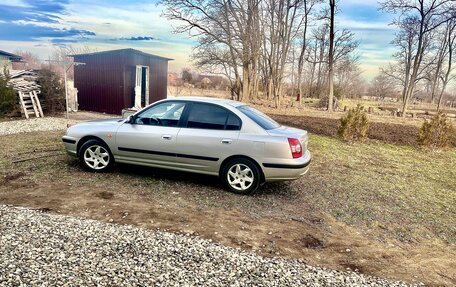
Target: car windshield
258, 117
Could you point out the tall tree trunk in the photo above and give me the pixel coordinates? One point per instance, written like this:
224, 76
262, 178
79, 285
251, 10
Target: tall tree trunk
245, 82
415, 68
332, 4
408, 94
439, 104
435, 83
435, 80
447, 74
451, 38
270, 89
302, 54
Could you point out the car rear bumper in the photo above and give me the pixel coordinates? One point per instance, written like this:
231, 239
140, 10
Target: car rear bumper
70, 144
287, 169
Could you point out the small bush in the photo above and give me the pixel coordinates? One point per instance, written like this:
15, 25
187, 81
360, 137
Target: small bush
52, 91
7, 97
437, 133
354, 125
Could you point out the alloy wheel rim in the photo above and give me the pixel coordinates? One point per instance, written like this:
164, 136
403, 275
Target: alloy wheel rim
96, 157
240, 177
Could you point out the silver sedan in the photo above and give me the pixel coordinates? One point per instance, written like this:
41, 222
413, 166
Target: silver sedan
229, 139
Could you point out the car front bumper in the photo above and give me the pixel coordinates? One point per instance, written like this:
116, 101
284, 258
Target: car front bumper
70, 144
288, 169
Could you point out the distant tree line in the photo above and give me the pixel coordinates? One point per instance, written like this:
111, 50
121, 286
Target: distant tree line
426, 43
270, 48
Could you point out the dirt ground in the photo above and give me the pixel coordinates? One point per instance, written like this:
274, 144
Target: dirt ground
319, 241
310, 218
404, 134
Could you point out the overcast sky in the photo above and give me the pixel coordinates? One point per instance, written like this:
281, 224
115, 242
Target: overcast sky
40, 25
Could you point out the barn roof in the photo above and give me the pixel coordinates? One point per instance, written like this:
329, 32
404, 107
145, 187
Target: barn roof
129, 50
13, 57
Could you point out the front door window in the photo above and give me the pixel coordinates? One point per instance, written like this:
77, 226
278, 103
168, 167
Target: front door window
165, 114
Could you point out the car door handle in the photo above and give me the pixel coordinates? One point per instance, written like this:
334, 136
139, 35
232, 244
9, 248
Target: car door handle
227, 141
167, 137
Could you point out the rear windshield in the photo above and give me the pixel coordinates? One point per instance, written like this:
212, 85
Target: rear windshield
258, 117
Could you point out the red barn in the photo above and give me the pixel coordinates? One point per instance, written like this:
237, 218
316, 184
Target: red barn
110, 81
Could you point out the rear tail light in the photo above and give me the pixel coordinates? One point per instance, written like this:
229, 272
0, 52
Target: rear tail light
295, 147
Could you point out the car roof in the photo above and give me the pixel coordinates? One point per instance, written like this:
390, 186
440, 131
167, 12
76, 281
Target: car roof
209, 100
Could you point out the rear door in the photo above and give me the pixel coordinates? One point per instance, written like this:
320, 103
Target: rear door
209, 134
151, 137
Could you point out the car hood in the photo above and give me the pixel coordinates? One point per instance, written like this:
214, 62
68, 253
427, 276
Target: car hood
113, 121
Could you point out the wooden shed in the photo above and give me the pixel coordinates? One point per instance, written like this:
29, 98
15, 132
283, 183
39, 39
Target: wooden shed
110, 81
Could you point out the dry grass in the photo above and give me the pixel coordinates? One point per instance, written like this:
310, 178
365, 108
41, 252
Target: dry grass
397, 190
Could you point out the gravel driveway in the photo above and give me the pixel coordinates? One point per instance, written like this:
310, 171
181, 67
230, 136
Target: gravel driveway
41, 249
47, 123
32, 125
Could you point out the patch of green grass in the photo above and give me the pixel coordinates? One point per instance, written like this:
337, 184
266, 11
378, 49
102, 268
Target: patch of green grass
396, 187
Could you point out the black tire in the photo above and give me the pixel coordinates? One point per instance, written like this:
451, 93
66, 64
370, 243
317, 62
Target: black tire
242, 181
104, 149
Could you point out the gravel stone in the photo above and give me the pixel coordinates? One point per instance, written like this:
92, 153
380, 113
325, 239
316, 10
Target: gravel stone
32, 125
42, 249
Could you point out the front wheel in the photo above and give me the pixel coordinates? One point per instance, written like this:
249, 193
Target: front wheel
241, 175
95, 156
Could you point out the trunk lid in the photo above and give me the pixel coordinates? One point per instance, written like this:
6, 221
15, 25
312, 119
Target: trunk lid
289, 132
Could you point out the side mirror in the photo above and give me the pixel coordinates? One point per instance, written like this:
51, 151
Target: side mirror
130, 119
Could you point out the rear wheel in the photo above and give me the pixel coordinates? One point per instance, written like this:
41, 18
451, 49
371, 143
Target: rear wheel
241, 175
96, 156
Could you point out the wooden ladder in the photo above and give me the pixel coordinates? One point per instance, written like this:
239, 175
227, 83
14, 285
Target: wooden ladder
30, 104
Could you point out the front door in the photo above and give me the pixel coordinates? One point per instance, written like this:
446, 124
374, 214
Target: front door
151, 136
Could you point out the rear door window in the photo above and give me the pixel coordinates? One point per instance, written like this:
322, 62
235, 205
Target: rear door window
258, 117
212, 117
233, 123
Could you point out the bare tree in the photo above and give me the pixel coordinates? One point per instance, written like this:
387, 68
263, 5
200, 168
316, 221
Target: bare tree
254, 44
347, 78
382, 86
405, 40
450, 32
282, 28
29, 61
308, 6
429, 16
62, 54
227, 31
318, 60
187, 76
436, 67
332, 8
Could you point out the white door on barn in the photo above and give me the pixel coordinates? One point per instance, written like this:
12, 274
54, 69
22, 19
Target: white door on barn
141, 87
